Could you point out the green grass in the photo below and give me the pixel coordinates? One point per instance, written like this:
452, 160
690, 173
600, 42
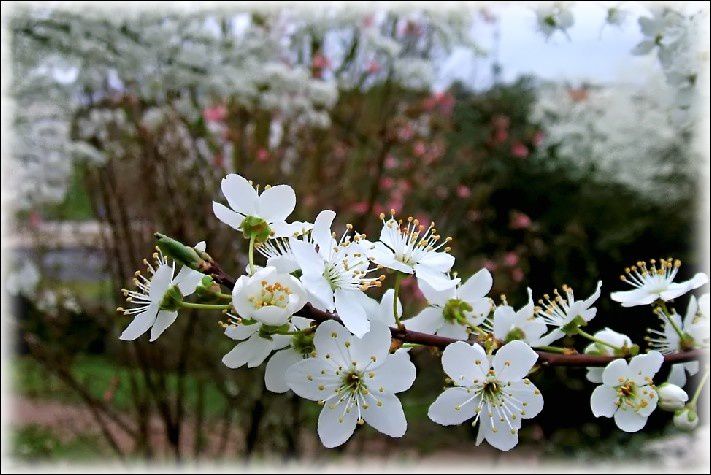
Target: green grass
37, 443
99, 375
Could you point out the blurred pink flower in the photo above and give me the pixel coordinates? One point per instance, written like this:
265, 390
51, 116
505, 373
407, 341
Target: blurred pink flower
500, 136
360, 207
517, 274
419, 149
501, 122
406, 132
490, 265
215, 113
391, 162
320, 61
262, 155
218, 160
464, 191
396, 204
538, 138
519, 150
511, 259
386, 182
372, 67
520, 220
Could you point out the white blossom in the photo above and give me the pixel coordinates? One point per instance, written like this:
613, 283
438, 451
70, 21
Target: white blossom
277, 250
335, 273
554, 17
24, 280
655, 282
627, 391
383, 311
562, 312
493, 390
522, 324
414, 248
355, 380
452, 312
268, 296
611, 337
273, 205
695, 326
149, 297
671, 397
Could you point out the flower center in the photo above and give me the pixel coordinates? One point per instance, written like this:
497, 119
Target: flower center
353, 381
627, 389
491, 388
274, 294
455, 311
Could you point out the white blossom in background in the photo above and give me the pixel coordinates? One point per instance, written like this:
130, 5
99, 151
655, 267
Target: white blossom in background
624, 133
552, 17
335, 273
149, 297
492, 390
413, 248
355, 380
24, 280
522, 324
655, 281
273, 205
695, 325
453, 312
268, 296
611, 337
563, 311
627, 392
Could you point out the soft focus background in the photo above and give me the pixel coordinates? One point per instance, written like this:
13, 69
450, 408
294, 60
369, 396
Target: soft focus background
546, 149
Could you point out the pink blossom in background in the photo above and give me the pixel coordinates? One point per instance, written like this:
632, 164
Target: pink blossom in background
368, 21
406, 132
218, 160
423, 219
320, 61
262, 155
500, 136
519, 150
520, 221
517, 274
501, 122
464, 191
35, 219
404, 185
419, 148
396, 204
538, 138
387, 182
490, 265
380, 208
309, 200
215, 113
511, 259
391, 162
372, 67
359, 207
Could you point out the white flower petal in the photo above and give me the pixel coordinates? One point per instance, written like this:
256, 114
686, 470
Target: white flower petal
513, 361
160, 283
436, 279
528, 395
240, 194
603, 401
187, 280
336, 423
227, 216
271, 315
593, 298
455, 331
385, 309
252, 352
677, 375
241, 332
277, 368
351, 311
384, 413
594, 375
453, 406
395, 375
321, 232
642, 368
164, 319
436, 297
307, 258
438, 261
312, 379
373, 347
630, 298
277, 203
465, 364
140, 323
615, 372
500, 436
628, 420
476, 287
428, 320
330, 340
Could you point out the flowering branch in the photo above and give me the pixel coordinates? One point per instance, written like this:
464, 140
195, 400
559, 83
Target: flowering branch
409, 336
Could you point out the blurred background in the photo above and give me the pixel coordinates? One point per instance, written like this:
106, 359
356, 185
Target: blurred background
530, 133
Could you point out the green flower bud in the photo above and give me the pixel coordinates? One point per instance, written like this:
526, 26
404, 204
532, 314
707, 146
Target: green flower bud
686, 418
186, 255
256, 228
573, 326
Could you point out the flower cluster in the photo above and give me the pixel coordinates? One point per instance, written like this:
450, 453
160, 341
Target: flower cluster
307, 314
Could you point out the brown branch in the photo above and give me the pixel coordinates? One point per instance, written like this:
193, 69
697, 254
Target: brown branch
408, 336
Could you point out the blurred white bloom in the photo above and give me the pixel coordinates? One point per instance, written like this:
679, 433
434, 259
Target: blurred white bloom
695, 326
554, 17
653, 283
355, 380
627, 391
272, 206
24, 280
522, 324
566, 313
149, 299
452, 312
335, 273
671, 397
414, 248
611, 337
268, 296
490, 389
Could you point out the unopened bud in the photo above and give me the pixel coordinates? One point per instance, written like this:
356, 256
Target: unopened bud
686, 419
671, 397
